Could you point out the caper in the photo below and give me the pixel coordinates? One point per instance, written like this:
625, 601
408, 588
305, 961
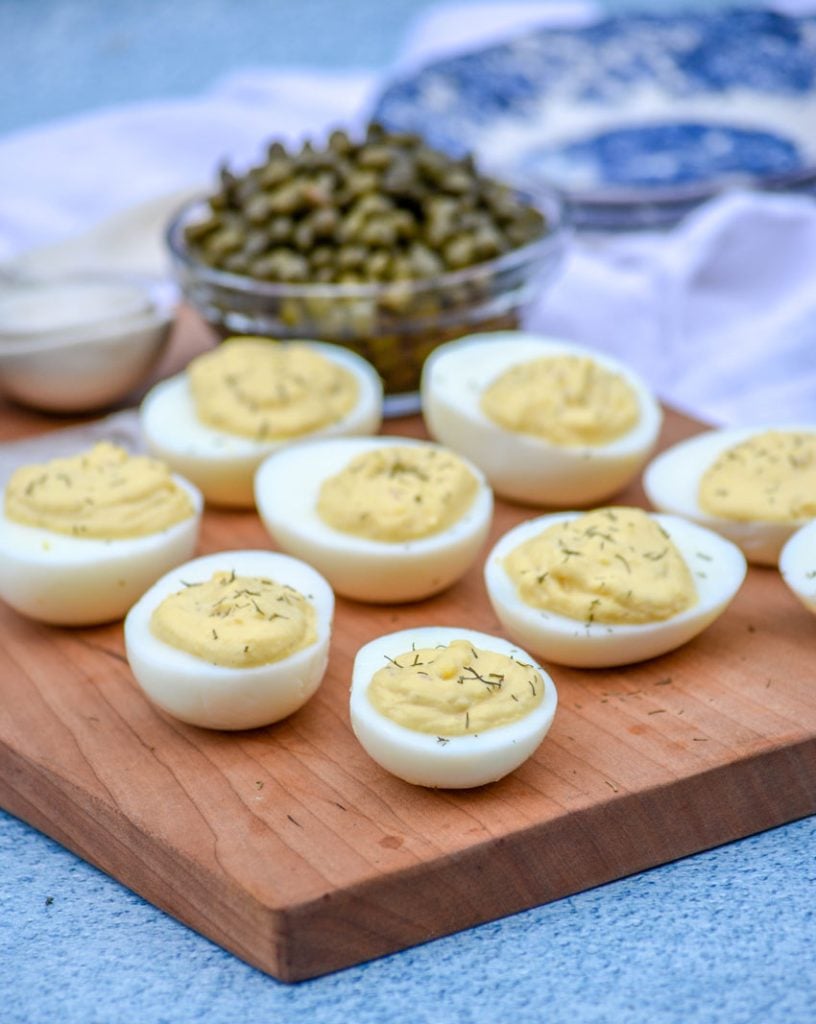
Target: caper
222, 242
286, 198
275, 172
424, 261
351, 257
456, 182
339, 142
360, 182
280, 229
324, 222
255, 243
488, 242
321, 256
259, 208
303, 236
199, 229
236, 263
375, 158
377, 265
459, 252
379, 231
372, 203
351, 228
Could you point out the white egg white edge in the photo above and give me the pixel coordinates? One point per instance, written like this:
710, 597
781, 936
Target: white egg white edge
268, 564
172, 399
599, 644
425, 746
481, 358
295, 508
797, 563
760, 539
37, 563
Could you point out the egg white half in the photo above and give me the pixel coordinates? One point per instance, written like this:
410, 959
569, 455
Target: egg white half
717, 567
218, 697
286, 492
672, 484
454, 762
523, 467
797, 563
222, 464
82, 581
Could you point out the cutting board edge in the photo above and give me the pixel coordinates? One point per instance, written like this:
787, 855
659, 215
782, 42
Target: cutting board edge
343, 927
781, 770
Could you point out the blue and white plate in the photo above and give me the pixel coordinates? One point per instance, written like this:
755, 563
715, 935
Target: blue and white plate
636, 117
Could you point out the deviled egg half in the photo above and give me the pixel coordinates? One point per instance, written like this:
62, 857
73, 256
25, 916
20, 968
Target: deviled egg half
385, 519
233, 640
449, 707
81, 538
797, 563
549, 422
217, 421
611, 586
754, 485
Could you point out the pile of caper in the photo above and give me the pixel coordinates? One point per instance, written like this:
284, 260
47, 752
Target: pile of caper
387, 208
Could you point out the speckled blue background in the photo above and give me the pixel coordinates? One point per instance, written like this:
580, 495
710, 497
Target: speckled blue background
725, 937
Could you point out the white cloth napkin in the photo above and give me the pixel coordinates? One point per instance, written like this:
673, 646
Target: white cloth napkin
719, 313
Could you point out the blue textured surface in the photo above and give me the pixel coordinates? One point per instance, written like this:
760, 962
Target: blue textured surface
726, 937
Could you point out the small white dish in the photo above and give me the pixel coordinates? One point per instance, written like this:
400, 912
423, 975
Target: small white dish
78, 343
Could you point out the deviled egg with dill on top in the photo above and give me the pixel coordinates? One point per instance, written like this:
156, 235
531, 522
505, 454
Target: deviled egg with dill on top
82, 537
754, 485
217, 421
449, 707
233, 640
385, 519
611, 586
548, 421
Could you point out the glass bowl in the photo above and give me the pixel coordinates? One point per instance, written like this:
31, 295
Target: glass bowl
394, 325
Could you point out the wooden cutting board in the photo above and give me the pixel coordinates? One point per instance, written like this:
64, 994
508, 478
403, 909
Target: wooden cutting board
290, 847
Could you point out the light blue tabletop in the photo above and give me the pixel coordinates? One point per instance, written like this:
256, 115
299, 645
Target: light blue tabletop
727, 936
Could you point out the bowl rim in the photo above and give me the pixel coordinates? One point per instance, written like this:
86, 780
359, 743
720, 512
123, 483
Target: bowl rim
107, 334
546, 198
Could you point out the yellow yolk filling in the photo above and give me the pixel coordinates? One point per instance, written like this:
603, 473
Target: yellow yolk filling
103, 494
455, 690
771, 476
398, 494
261, 389
567, 399
612, 565
236, 621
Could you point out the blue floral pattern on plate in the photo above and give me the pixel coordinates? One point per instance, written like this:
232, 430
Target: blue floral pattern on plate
636, 117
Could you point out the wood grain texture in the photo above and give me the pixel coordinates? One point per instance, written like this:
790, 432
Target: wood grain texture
290, 847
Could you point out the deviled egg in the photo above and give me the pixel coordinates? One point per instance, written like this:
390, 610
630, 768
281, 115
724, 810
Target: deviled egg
449, 707
611, 586
753, 485
385, 519
233, 640
81, 538
217, 421
549, 422
797, 563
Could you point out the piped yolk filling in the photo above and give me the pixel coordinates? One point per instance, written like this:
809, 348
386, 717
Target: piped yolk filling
613, 565
455, 690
